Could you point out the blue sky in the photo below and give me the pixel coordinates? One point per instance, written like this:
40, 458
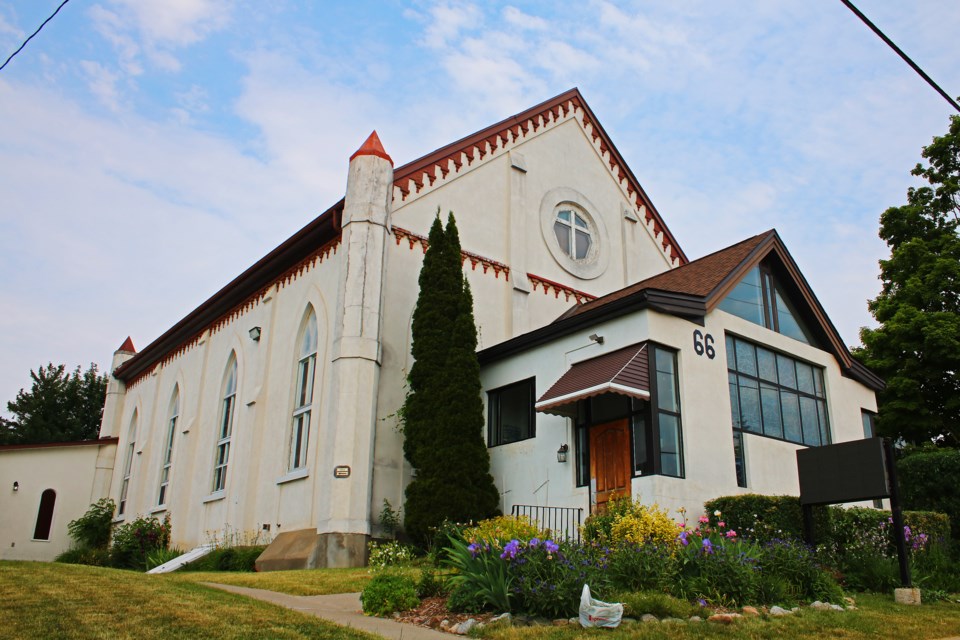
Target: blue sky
150, 150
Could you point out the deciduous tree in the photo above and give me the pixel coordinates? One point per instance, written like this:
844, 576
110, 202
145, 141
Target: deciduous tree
916, 348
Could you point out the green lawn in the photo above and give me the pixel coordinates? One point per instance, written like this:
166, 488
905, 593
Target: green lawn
40, 600
43, 601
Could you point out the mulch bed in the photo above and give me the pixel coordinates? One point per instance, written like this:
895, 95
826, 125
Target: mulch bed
433, 611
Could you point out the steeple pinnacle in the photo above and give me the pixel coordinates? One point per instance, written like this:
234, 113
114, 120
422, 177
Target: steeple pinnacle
372, 147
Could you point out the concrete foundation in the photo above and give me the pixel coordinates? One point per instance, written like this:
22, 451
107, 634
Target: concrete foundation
307, 549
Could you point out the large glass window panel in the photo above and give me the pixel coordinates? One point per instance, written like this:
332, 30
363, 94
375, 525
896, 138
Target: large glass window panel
824, 423
868, 428
790, 405
583, 244
787, 321
666, 381
767, 365
731, 352
746, 300
583, 456
670, 454
787, 372
750, 405
734, 400
739, 459
562, 232
746, 358
811, 422
770, 404
805, 378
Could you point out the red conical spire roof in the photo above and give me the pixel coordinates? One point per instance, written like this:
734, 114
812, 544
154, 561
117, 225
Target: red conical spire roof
127, 346
372, 147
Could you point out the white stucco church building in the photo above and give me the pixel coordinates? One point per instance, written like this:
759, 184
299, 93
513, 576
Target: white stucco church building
611, 363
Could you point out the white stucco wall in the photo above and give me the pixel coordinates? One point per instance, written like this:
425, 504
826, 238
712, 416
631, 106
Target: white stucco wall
70, 470
522, 468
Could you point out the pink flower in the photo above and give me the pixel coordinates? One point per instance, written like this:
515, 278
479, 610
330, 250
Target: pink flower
731, 534
704, 519
721, 524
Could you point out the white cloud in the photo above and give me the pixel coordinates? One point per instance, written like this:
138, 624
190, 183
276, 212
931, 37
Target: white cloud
102, 83
447, 20
518, 18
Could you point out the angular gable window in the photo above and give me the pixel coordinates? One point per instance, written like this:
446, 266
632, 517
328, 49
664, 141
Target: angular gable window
303, 402
225, 430
510, 413
168, 447
761, 299
128, 464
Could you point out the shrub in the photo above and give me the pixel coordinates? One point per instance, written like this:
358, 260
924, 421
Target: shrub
388, 554
722, 574
388, 592
930, 479
79, 555
635, 567
936, 570
134, 540
241, 558
632, 522
765, 518
549, 577
482, 577
790, 573
430, 584
92, 529
389, 519
162, 556
500, 530
662, 605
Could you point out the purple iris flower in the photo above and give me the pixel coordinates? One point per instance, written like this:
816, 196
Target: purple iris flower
683, 538
473, 549
510, 550
707, 546
551, 546
534, 542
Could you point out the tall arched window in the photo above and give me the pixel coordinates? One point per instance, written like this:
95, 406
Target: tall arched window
128, 464
226, 425
168, 447
303, 401
45, 515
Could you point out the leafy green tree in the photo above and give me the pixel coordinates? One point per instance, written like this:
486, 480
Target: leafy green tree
59, 407
443, 412
916, 348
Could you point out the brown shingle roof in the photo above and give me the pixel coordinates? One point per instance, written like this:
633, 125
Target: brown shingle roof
624, 371
698, 278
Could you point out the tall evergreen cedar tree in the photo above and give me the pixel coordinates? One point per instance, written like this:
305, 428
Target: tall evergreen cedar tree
59, 407
443, 412
916, 348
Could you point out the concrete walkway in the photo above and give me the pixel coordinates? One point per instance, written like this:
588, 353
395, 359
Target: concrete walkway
343, 609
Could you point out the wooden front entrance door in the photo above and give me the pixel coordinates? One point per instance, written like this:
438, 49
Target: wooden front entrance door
609, 462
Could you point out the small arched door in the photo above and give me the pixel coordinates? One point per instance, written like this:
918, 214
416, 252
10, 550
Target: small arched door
45, 515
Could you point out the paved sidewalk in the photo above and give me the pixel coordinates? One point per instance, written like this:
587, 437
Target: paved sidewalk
343, 609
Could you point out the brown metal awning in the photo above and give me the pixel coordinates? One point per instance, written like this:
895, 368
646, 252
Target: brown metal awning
624, 371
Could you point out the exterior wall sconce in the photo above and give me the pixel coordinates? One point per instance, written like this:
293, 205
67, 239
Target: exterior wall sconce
562, 453
596, 338
16, 486
255, 334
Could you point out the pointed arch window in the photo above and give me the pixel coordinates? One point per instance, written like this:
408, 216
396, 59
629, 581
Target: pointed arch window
128, 464
303, 401
225, 430
45, 515
168, 447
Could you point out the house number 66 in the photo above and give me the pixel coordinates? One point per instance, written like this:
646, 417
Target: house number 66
703, 344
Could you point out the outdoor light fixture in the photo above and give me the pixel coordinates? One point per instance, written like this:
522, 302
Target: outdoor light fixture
562, 453
255, 334
16, 486
596, 338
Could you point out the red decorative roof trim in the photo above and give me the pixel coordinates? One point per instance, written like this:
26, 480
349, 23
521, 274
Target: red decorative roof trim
475, 259
557, 288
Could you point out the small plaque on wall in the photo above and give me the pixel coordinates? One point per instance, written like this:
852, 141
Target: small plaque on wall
342, 471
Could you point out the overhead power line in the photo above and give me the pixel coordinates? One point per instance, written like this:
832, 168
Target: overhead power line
905, 57
20, 48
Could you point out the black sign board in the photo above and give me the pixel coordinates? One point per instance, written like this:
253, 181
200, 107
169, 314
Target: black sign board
849, 472
845, 472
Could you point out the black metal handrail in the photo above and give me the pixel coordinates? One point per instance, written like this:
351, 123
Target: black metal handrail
562, 522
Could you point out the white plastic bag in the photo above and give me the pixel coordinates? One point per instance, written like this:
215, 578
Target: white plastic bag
594, 613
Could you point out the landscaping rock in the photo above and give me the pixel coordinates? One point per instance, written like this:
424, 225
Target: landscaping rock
504, 619
541, 622
779, 611
750, 611
573, 620
628, 621
649, 617
724, 618
851, 604
673, 620
825, 606
464, 628
696, 619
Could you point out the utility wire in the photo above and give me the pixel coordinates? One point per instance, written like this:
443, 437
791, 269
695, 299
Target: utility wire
905, 57
33, 34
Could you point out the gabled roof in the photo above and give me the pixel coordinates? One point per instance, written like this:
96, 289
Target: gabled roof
324, 231
695, 289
